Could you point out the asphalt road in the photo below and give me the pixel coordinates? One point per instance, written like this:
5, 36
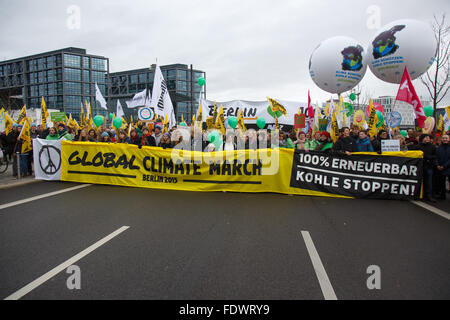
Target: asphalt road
187, 245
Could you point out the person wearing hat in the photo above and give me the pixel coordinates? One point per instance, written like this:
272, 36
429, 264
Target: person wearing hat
62, 132
325, 143
157, 135
429, 160
165, 141
105, 138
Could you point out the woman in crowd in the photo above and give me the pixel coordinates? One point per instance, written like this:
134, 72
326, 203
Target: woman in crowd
165, 141
325, 143
147, 138
122, 137
105, 138
301, 142
134, 138
83, 136
363, 143
92, 136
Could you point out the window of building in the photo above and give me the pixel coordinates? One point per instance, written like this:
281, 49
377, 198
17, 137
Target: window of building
86, 62
133, 79
181, 74
86, 89
72, 60
72, 88
72, 74
171, 74
142, 78
171, 84
98, 64
99, 77
182, 86
86, 76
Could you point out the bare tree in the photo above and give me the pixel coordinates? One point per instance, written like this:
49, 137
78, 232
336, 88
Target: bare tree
437, 78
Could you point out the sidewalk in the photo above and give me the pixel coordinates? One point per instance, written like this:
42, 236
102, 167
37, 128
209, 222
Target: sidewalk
8, 181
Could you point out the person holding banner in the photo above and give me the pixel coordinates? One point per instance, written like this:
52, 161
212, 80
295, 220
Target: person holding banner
325, 143
122, 137
363, 143
147, 138
429, 160
345, 144
157, 135
165, 142
443, 166
92, 135
52, 134
83, 136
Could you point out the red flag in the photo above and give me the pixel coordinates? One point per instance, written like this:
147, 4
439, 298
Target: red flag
407, 93
310, 114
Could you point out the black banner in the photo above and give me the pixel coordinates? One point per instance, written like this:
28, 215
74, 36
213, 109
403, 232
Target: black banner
359, 176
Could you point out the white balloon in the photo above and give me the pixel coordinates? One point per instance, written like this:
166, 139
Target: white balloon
398, 44
338, 64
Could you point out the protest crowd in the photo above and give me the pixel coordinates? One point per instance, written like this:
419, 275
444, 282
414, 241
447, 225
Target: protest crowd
436, 150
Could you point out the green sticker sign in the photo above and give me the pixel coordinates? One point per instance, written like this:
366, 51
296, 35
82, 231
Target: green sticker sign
58, 116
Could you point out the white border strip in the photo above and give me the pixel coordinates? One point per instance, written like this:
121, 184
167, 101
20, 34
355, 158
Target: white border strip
432, 209
39, 281
16, 203
324, 281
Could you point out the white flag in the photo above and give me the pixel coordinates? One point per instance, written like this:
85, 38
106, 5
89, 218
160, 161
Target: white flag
161, 102
119, 112
140, 99
99, 97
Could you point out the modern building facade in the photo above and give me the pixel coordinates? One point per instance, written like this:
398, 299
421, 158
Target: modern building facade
182, 83
64, 77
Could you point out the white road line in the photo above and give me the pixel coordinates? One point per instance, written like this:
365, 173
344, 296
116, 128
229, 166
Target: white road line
51, 194
325, 285
437, 211
39, 281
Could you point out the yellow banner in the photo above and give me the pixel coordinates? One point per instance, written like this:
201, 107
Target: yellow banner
150, 167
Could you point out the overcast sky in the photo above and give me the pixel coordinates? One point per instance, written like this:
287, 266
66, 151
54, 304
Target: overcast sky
249, 49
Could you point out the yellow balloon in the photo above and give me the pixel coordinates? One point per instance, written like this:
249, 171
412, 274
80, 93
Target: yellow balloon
429, 125
359, 117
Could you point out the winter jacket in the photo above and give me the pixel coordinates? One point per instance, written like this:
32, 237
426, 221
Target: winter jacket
148, 140
443, 158
345, 144
311, 144
429, 154
364, 145
50, 137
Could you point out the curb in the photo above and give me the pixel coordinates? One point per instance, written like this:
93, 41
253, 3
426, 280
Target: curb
17, 183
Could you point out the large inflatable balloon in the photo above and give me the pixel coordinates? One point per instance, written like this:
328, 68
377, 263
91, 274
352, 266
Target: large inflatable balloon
401, 43
338, 64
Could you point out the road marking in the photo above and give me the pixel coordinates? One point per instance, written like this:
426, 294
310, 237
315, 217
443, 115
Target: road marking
324, 281
39, 281
437, 211
51, 194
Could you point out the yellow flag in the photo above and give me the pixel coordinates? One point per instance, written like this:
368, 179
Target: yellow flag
220, 124
334, 134
82, 119
209, 123
241, 123
25, 135
8, 122
276, 106
193, 120
215, 113
166, 125
44, 114
440, 125
373, 120
22, 115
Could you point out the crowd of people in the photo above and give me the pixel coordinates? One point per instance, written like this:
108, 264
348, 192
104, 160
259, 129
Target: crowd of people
436, 149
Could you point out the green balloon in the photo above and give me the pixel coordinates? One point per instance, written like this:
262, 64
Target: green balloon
201, 81
428, 111
404, 133
261, 123
380, 119
348, 108
213, 136
182, 124
232, 122
217, 143
98, 121
111, 116
117, 123
353, 97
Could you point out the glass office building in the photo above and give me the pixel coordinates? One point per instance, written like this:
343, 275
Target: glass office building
182, 83
64, 77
